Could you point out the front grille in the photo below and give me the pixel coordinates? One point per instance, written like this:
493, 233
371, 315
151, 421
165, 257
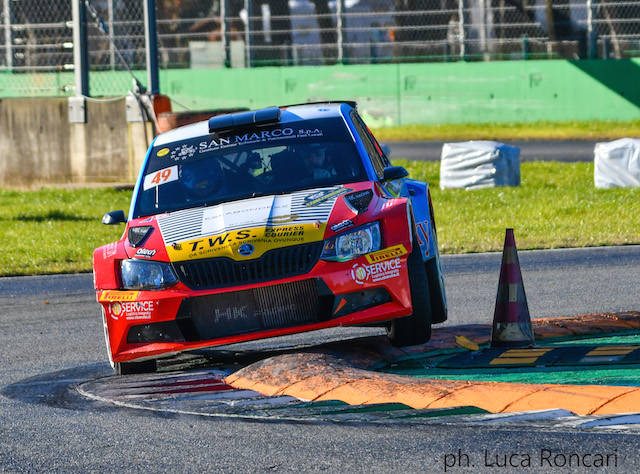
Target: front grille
274, 264
258, 309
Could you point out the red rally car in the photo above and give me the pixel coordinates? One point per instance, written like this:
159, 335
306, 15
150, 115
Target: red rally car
265, 223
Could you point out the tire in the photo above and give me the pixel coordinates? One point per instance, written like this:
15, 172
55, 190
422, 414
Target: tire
416, 328
436, 292
106, 337
143, 367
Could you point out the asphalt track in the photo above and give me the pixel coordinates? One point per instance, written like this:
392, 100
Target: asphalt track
51, 340
530, 150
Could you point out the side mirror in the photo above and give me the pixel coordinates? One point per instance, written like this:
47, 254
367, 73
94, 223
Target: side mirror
114, 217
394, 172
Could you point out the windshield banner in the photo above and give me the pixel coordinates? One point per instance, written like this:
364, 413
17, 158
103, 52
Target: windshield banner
194, 148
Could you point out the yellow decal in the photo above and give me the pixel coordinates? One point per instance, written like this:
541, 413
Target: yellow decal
113, 295
318, 197
513, 360
162, 152
519, 356
283, 219
246, 244
611, 350
467, 343
386, 254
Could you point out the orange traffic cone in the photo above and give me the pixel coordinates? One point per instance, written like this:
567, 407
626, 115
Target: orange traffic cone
511, 319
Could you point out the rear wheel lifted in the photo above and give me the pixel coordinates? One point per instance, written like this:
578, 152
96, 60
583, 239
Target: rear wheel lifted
436, 292
416, 328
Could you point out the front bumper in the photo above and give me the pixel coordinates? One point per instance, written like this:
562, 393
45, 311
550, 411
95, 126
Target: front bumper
144, 324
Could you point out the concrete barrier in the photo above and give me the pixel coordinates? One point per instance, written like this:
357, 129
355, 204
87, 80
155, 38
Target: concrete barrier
38, 145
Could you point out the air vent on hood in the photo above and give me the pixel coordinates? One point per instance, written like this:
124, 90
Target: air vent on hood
359, 201
138, 235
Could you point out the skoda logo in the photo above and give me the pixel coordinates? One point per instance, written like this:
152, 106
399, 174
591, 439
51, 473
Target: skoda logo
246, 249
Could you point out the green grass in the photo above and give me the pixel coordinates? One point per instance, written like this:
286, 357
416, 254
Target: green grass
56, 230
557, 205
593, 130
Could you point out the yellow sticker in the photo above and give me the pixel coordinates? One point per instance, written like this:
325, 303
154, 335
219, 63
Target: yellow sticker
162, 152
114, 295
513, 360
386, 254
246, 244
520, 356
467, 343
611, 350
319, 197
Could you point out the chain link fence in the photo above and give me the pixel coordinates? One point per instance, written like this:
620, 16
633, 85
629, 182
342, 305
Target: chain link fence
616, 27
251, 33
37, 36
116, 43
37, 40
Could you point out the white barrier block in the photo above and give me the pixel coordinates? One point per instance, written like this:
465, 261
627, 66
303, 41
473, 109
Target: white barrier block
479, 164
617, 163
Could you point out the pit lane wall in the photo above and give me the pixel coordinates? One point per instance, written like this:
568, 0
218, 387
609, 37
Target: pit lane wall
37, 143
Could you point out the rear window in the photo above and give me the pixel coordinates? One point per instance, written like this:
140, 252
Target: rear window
276, 159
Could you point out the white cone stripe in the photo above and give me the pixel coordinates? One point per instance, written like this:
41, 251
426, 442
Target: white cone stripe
510, 255
514, 289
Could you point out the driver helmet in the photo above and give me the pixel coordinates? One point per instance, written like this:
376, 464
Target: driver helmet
254, 161
201, 178
316, 162
253, 164
315, 155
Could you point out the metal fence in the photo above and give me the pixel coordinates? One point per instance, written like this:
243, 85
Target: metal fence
251, 33
116, 42
37, 37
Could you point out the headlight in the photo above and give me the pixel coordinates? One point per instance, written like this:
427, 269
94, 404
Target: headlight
352, 244
139, 275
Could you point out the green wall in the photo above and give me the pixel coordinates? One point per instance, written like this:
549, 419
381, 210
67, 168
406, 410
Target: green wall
388, 94
503, 91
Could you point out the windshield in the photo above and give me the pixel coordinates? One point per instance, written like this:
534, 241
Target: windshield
276, 159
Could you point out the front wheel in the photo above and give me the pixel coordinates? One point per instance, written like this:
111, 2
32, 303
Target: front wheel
143, 367
416, 328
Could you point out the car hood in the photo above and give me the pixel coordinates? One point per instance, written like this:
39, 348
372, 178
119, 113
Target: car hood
246, 229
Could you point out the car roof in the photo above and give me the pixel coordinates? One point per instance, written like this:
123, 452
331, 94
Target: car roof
289, 113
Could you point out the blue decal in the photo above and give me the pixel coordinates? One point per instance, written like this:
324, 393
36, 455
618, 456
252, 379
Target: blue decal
246, 249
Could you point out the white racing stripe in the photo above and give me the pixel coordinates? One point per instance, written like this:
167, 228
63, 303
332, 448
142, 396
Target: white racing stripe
257, 212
